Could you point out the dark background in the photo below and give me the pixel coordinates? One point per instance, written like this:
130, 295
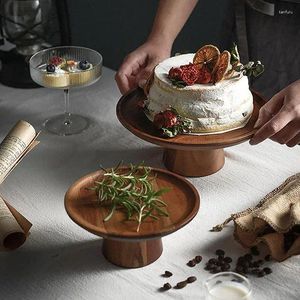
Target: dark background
116, 27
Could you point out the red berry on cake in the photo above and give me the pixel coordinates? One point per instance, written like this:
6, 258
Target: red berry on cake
175, 73
204, 76
165, 119
190, 74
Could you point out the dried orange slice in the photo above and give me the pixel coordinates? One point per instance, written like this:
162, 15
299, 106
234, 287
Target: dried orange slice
209, 56
223, 66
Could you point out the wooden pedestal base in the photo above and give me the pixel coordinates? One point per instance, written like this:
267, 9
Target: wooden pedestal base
132, 254
194, 163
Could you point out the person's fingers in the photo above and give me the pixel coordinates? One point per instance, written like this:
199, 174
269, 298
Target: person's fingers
143, 76
287, 133
294, 141
274, 125
122, 82
125, 77
271, 108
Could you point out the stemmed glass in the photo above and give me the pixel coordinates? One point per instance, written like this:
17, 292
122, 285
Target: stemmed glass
70, 67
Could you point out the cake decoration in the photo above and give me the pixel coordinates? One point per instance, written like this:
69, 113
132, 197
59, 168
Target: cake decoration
202, 93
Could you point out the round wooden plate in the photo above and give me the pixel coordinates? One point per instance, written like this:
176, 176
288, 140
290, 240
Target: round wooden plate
182, 203
133, 118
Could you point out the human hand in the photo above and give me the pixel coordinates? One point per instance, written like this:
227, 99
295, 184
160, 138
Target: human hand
138, 65
279, 118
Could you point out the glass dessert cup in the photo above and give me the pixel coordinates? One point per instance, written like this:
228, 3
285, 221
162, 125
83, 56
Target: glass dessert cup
228, 286
70, 67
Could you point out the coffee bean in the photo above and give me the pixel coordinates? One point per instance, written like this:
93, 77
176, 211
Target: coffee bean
228, 259
220, 257
191, 279
245, 264
214, 271
181, 284
167, 274
267, 270
167, 286
220, 252
239, 269
225, 267
248, 257
219, 263
191, 263
261, 273
254, 251
241, 260
209, 266
198, 259
268, 257
212, 261
255, 271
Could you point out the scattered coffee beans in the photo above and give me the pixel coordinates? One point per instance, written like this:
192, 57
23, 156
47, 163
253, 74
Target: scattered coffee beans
191, 279
254, 251
167, 286
220, 252
198, 259
268, 257
167, 274
191, 263
267, 270
244, 265
181, 284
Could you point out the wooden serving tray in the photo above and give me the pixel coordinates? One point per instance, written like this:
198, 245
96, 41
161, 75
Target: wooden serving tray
122, 245
188, 155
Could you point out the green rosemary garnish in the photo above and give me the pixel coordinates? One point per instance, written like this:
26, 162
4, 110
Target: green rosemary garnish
249, 69
131, 191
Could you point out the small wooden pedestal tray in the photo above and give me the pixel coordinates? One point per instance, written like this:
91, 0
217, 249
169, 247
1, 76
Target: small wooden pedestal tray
187, 155
122, 245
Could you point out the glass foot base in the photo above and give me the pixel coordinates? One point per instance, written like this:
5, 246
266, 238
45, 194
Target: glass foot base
60, 125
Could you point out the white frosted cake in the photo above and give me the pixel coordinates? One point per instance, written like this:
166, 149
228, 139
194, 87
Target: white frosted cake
210, 108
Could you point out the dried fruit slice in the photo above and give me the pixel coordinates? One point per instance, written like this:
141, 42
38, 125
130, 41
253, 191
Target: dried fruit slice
223, 66
209, 56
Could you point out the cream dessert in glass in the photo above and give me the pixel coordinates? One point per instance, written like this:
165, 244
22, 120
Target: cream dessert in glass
64, 68
228, 286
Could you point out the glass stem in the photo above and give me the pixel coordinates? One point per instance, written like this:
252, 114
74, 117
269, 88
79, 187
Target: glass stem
67, 104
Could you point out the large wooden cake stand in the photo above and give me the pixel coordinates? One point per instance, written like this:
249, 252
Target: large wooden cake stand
122, 245
187, 155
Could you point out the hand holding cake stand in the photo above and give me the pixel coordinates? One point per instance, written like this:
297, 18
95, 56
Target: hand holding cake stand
64, 68
187, 155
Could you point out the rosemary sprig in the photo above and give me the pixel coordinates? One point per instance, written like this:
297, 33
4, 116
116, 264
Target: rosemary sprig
132, 192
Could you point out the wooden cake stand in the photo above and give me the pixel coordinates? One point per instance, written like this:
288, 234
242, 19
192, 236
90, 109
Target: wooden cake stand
187, 155
122, 245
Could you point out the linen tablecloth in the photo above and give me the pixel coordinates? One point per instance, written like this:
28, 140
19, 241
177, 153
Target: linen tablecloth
60, 260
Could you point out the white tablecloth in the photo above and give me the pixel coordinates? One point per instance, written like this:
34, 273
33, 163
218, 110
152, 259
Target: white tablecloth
60, 260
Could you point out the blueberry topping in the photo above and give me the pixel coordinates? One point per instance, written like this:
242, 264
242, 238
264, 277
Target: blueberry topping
50, 68
84, 65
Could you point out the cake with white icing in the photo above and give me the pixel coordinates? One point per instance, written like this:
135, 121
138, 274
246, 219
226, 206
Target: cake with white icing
222, 104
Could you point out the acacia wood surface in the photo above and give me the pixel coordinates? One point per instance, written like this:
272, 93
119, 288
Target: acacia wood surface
133, 118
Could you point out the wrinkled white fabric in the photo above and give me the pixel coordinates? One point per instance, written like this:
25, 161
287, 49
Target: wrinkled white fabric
62, 261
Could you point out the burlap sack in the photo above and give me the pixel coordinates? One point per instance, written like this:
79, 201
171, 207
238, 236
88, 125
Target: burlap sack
275, 221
